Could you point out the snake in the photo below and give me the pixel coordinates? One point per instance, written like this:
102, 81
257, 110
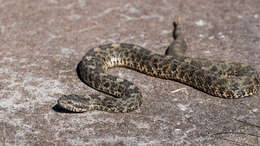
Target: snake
217, 78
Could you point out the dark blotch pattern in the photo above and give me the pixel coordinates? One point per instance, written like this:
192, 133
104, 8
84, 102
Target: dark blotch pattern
217, 78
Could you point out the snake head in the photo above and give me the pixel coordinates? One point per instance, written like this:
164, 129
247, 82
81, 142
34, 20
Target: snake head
73, 103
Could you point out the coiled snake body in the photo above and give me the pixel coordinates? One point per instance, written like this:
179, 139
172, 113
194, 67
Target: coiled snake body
217, 78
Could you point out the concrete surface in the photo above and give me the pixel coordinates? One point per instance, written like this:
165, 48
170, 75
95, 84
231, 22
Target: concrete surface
41, 43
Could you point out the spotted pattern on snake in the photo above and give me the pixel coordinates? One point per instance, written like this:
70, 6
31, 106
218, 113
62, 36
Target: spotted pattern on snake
217, 78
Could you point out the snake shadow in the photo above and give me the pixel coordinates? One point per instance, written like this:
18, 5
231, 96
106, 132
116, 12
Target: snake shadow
58, 108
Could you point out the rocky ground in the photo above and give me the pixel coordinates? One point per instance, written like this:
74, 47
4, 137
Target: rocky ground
42, 42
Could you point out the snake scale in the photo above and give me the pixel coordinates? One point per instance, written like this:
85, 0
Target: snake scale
217, 78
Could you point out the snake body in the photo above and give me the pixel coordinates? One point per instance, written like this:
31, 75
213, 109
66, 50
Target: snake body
217, 78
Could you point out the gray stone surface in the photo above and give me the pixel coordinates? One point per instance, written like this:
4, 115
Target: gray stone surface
41, 43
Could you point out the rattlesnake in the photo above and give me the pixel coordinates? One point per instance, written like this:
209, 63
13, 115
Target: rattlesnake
217, 78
